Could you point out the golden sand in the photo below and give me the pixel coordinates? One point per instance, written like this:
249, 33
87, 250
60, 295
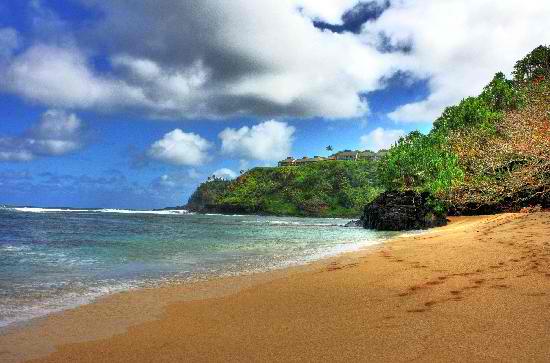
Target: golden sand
476, 290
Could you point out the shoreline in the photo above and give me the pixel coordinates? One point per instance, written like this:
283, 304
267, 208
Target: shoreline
330, 253
16, 334
395, 284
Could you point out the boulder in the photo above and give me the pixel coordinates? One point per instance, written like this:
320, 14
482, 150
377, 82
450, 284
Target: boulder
354, 223
401, 211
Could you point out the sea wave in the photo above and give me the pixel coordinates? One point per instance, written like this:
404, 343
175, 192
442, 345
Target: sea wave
17, 313
11, 248
45, 210
106, 210
294, 223
158, 212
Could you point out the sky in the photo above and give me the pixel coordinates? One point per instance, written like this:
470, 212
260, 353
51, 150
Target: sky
132, 104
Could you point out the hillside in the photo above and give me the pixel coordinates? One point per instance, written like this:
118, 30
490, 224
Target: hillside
325, 188
487, 154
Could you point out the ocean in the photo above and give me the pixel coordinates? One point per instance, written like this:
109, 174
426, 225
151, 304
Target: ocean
53, 259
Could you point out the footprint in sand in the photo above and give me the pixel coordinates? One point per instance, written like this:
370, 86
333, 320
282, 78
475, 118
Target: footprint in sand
416, 310
535, 294
434, 283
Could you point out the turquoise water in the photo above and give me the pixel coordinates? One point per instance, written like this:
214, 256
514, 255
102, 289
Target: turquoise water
52, 259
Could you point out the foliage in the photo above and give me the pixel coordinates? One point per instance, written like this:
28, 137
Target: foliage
420, 162
534, 66
502, 95
487, 152
325, 188
207, 194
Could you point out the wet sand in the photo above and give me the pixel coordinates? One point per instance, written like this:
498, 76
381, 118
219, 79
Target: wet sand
475, 290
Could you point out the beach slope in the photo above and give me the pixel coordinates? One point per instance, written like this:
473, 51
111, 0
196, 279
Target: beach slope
477, 289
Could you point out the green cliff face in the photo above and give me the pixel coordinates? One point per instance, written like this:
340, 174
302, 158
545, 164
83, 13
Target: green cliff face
325, 188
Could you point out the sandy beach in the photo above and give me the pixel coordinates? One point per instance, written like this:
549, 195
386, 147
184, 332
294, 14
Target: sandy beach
475, 290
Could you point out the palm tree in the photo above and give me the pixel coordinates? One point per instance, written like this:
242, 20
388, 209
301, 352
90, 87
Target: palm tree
329, 148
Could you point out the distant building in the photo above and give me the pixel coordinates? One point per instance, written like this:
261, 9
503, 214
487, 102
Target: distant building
289, 161
306, 160
346, 155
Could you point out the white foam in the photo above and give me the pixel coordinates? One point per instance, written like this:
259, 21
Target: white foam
21, 313
294, 223
10, 248
158, 212
107, 210
225, 215
46, 210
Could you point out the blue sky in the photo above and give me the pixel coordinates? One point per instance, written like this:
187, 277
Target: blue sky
106, 105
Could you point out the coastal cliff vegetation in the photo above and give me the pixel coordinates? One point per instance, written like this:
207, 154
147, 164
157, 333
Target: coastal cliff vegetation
324, 188
488, 153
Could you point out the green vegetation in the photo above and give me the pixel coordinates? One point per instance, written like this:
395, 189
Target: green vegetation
325, 188
207, 194
488, 153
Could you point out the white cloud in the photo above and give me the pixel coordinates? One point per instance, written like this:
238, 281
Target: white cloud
212, 59
269, 140
177, 181
380, 138
458, 45
166, 181
207, 58
62, 77
225, 173
56, 133
180, 148
330, 11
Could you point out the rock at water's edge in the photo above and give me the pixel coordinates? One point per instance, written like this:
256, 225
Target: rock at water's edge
401, 211
354, 223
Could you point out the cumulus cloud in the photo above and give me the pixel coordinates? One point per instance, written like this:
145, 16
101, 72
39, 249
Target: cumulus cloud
56, 133
225, 173
177, 180
181, 148
330, 11
216, 59
206, 58
380, 138
269, 140
62, 77
458, 45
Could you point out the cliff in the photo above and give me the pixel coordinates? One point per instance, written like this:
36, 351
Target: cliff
324, 188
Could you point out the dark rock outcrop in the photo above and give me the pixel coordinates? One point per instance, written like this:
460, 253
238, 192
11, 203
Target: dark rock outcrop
354, 223
400, 211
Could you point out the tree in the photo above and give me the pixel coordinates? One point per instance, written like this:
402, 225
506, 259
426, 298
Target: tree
420, 162
329, 148
534, 67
